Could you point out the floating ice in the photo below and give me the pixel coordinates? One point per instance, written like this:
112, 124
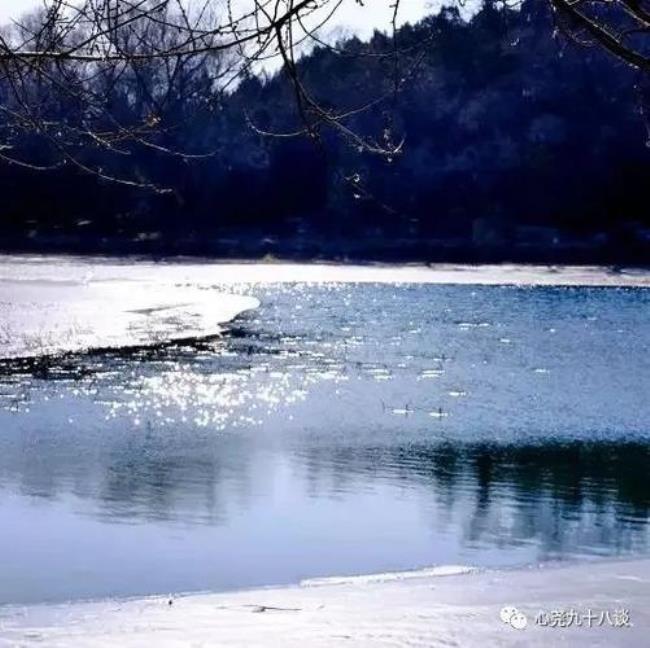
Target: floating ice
52, 317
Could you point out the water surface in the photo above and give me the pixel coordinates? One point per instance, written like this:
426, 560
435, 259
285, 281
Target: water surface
340, 428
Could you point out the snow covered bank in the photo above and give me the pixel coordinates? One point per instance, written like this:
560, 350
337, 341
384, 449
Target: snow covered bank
479, 275
210, 272
455, 610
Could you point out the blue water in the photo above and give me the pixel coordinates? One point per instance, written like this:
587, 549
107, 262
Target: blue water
338, 429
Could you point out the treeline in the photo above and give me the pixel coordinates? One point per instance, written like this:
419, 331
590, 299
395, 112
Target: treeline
517, 145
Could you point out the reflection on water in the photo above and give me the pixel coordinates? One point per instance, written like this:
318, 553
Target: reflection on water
575, 497
338, 429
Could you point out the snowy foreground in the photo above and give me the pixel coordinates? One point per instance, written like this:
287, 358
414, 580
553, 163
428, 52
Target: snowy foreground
604, 604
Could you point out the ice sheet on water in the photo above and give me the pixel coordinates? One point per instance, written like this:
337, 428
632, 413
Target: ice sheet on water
441, 570
50, 317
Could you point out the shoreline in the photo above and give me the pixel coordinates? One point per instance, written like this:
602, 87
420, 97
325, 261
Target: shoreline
449, 607
232, 271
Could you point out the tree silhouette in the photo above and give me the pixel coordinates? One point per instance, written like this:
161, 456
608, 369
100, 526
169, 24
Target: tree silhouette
105, 74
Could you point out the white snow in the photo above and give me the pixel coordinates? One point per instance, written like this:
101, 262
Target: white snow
456, 610
210, 273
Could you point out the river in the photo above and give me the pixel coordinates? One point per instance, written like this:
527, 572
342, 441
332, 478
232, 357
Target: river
356, 421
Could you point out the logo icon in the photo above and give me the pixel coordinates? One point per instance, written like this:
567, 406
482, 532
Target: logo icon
513, 617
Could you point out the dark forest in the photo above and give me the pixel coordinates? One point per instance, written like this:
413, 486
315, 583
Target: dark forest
517, 145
